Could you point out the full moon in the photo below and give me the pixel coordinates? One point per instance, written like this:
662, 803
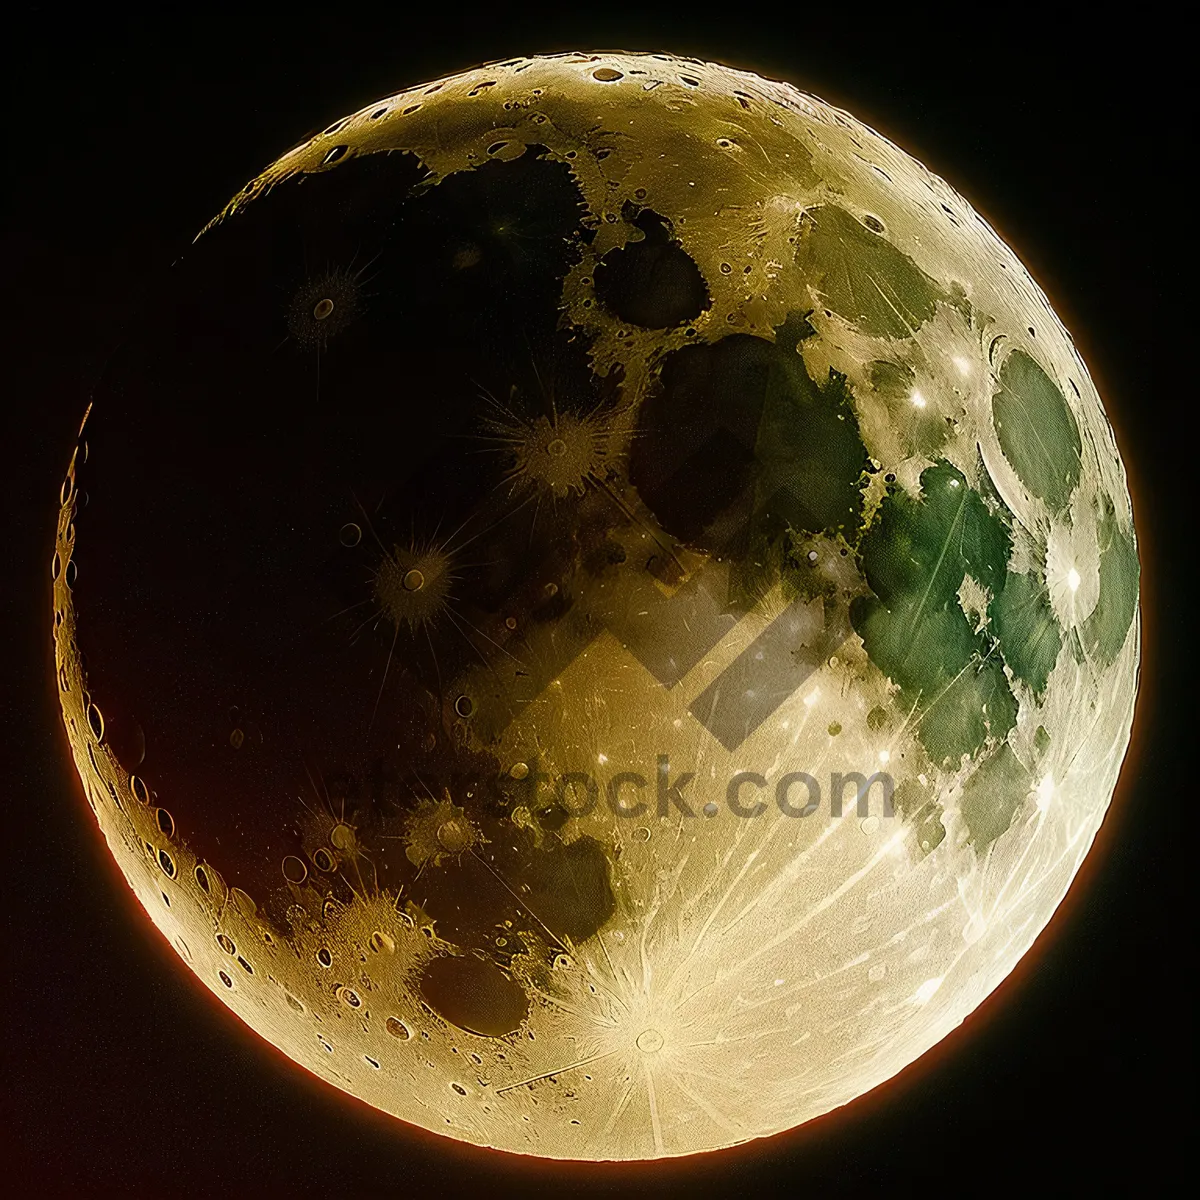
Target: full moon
597, 607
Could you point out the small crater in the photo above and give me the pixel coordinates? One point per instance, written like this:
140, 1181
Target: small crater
324, 306
295, 870
649, 1041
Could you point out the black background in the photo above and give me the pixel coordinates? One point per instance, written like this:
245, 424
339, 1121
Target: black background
125, 132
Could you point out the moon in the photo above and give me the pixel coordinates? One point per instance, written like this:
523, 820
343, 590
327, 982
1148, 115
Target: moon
597, 608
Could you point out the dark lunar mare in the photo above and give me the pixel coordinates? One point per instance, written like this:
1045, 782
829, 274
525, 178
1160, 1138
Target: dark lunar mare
232, 637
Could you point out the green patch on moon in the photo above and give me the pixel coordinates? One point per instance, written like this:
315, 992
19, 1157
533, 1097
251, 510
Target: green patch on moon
861, 276
921, 810
922, 430
1037, 431
975, 705
992, 795
915, 557
1104, 632
809, 450
1024, 623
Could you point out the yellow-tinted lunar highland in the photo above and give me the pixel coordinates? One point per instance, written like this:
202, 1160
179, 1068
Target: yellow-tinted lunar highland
932, 574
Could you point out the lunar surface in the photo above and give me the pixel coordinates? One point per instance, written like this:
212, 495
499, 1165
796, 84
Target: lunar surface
598, 608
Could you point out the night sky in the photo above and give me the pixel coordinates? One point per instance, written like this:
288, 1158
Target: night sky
123, 1075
